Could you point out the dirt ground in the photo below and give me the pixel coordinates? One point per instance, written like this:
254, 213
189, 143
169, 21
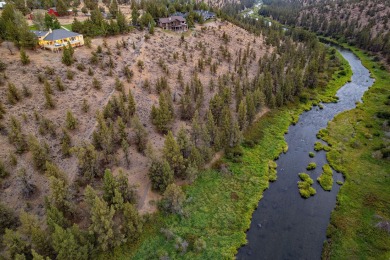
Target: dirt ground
161, 45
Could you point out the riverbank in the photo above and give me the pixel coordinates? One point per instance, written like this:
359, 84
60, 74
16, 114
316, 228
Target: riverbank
356, 138
220, 205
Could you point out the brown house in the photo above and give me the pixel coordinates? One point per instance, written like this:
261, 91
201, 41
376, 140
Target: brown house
173, 23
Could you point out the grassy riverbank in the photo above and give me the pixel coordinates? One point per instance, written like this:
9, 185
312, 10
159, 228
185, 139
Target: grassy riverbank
356, 137
220, 205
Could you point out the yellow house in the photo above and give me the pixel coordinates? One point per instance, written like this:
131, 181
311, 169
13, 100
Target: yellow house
55, 40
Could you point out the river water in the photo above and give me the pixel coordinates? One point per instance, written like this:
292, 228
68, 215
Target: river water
285, 226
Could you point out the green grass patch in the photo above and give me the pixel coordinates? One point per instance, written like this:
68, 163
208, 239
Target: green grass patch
326, 178
365, 194
67, 26
311, 166
305, 186
219, 206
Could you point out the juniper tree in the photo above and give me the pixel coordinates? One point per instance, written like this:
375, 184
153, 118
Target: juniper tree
24, 58
109, 186
172, 154
160, 174
131, 104
173, 199
66, 245
2, 110
16, 137
184, 142
59, 194
102, 224
66, 143
127, 191
242, 115
49, 100
141, 135
125, 147
67, 55
40, 153
13, 94
162, 116
132, 222
88, 161
85, 106
96, 84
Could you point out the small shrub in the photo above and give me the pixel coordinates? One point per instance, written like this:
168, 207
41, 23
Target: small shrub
80, 66
60, 86
70, 74
311, 166
71, 121
85, 106
3, 171
311, 155
26, 91
96, 84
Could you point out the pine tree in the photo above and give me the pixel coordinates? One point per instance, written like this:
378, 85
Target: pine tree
141, 135
173, 155
24, 58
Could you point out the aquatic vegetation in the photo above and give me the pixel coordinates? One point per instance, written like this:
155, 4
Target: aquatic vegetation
326, 178
311, 166
318, 146
305, 186
272, 174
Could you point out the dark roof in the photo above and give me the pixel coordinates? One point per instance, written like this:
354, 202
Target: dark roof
40, 33
59, 34
172, 18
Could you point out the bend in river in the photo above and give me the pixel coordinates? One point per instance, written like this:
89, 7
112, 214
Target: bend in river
285, 226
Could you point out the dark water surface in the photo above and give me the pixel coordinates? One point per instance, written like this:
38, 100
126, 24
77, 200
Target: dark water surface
285, 226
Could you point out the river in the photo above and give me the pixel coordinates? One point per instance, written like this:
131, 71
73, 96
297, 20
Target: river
285, 226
